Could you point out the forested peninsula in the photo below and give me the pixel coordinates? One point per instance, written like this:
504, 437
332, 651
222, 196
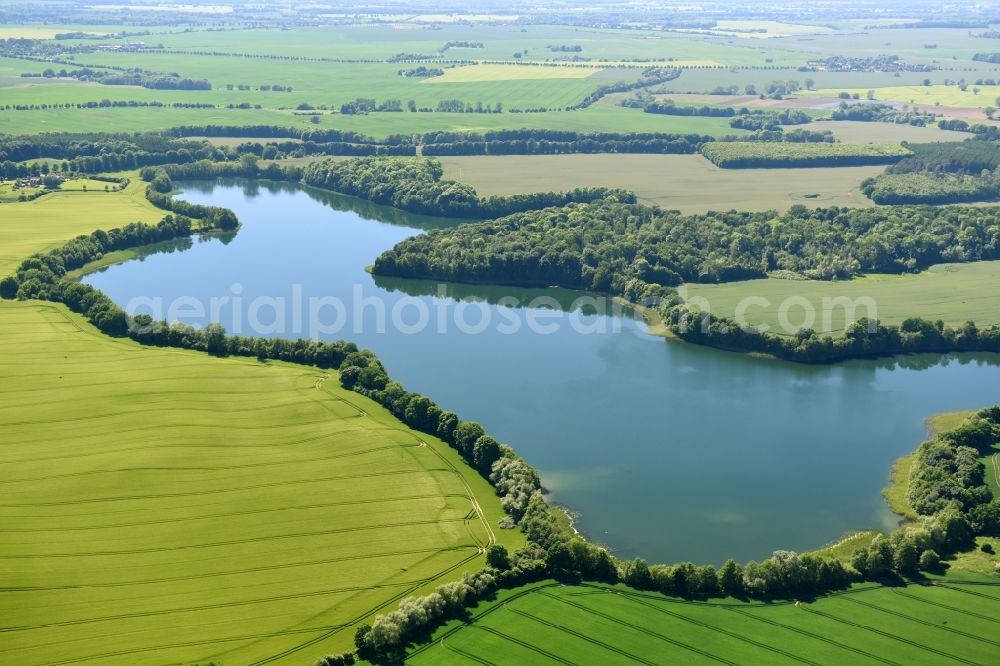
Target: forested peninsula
642, 253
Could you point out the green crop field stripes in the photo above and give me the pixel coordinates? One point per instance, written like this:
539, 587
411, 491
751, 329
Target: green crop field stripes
163, 504
552, 623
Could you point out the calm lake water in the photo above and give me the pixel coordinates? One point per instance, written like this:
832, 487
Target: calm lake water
663, 449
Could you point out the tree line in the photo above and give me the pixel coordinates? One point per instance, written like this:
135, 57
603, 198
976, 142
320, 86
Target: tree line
160, 188
769, 120
981, 132
128, 77
993, 57
107, 104
417, 186
669, 107
881, 113
649, 76
548, 142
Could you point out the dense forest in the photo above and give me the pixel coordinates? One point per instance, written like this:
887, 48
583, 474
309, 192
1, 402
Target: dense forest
601, 245
752, 155
769, 120
640, 253
970, 157
940, 173
416, 186
541, 142
931, 187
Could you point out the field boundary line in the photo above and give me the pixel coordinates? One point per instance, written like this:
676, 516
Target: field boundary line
467, 655
218, 491
643, 630
923, 622
886, 634
731, 634
947, 607
524, 644
209, 516
238, 572
475, 618
583, 637
819, 637
216, 544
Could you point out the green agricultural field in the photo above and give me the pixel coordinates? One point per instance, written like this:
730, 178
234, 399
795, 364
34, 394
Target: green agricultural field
10, 194
952, 622
942, 95
469, 73
166, 506
550, 87
761, 29
954, 293
48, 31
597, 118
332, 66
500, 42
952, 48
862, 132
689, 183
135, 504
34, 226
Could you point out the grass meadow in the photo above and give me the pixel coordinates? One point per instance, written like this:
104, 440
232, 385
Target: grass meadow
486, 72
689, 183
954, 293
166, 506
35, 226
951, 622
500, 42
862, 132
927, 95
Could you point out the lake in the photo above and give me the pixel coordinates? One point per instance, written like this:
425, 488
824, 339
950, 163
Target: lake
659, 448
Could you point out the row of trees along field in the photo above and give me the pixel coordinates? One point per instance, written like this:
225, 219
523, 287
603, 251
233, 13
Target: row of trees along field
742, 118
882, 113
553, 548
416, 186
108, 152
